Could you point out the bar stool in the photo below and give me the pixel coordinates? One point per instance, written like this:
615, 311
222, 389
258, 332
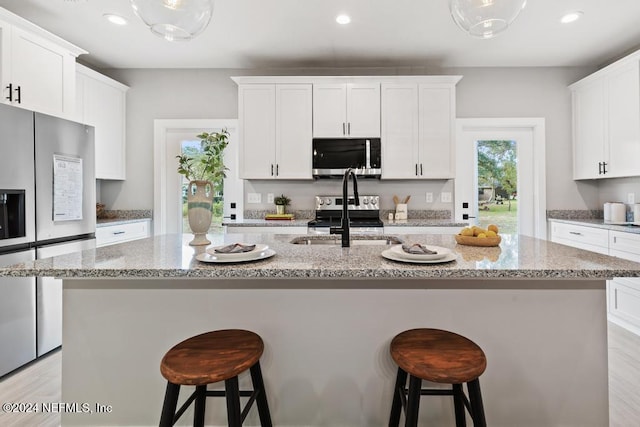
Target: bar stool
441, 357
209, 358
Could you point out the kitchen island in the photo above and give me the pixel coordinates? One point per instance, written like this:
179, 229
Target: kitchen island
327, 315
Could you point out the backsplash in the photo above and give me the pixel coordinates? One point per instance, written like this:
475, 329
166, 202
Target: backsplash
309, 214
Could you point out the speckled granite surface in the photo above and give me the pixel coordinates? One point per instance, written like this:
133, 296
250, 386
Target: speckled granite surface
412, 222
266, 223
599, 223
169, 256
424, 222
118, 221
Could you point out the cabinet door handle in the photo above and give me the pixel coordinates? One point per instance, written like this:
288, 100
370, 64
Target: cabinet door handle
19, 90
599, 168
575, 233
604, 168
277, 169
10, 97
421, 169
344, 132
271, 169
349, 128
118, 232
416, 169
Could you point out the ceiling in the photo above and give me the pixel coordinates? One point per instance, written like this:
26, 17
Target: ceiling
303, 33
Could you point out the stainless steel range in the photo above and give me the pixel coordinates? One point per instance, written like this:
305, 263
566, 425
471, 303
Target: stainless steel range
364, 218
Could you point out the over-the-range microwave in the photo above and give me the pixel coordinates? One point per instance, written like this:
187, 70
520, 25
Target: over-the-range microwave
332, 156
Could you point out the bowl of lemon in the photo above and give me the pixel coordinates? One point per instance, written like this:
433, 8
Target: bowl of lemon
478, 236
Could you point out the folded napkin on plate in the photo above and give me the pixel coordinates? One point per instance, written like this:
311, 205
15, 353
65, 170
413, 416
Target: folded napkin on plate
417, 248
235, 248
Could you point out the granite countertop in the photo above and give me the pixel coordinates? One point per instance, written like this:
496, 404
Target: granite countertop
169, 256
267, 223
422, 222
599, 223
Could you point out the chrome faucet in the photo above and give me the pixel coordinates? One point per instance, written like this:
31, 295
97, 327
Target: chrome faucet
344, 223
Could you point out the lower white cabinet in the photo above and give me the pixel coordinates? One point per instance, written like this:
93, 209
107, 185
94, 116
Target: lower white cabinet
582, 237
623, 294
119, 233
623, 303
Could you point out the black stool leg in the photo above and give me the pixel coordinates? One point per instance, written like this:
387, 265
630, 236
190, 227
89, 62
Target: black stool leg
413, 402
198, 414
458, 404
396, 406
475, 399
169, 405
232, 392
261, 398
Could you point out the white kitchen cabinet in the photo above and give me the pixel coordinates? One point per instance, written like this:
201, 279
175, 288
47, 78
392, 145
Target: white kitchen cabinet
119, 233
418, 128
275, 131
346, 110
102, 103
623, 303
624, 245
606, 121
582, 237
37, 69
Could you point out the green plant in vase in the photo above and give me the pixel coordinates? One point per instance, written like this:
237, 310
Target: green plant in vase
205, 171
282, 202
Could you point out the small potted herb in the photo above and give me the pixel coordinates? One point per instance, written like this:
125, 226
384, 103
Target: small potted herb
281, 202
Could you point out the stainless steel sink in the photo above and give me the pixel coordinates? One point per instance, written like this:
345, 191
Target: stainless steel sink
356, 240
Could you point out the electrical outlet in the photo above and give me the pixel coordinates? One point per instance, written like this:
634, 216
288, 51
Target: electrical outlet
254, 198
631, 198
445, 197
269, 197
429, 197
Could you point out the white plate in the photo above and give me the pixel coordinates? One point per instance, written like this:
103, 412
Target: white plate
207, 257
389, 254
441, 253
238, 256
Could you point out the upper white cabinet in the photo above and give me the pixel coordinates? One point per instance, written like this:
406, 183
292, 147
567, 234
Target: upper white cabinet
101, 102
280, 115
346, 110
37, 69
275, 131
606, 121
418, 130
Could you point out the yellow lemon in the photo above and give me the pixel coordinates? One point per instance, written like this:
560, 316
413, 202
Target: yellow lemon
493, 228
482, 236
477, 231
467, 231
491, 233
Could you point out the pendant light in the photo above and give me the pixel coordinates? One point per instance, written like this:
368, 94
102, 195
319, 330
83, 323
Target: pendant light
174, 20
485, 18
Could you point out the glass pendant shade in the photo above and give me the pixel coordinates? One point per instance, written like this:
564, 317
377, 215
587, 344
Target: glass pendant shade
174, 20
485, 18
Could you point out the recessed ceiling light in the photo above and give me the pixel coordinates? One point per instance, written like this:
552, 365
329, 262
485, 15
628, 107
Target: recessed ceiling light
115, 19
343, 19
571, 16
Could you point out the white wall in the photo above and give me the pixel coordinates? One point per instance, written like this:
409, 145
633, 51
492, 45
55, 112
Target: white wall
483, 92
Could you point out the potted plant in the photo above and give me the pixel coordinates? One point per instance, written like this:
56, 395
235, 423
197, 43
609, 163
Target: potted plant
204, 169
281, 202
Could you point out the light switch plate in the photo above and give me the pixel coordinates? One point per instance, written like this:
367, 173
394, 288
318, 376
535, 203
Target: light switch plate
445, 197
254, 198
269, 197
429, 197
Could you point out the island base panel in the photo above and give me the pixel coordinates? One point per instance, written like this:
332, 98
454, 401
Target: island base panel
326, 359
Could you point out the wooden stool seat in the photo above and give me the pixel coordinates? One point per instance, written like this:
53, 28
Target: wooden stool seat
211, 357
438, 356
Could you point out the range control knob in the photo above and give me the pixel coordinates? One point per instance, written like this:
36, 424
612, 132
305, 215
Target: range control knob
328, 201
374, 200
365, 200
320, 202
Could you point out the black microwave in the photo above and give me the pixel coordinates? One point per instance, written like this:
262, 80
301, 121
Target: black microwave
332, 156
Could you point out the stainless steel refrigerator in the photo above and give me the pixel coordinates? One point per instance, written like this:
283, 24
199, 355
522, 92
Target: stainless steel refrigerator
47, 207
